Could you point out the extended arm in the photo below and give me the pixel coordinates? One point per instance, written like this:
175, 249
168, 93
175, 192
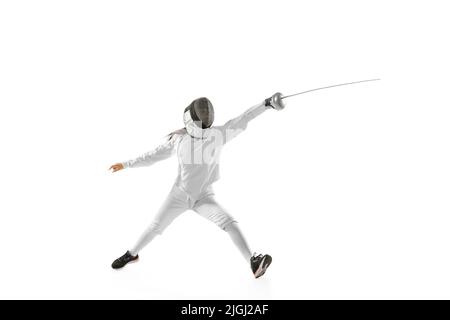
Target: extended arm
236, 125
162, 152
241, 121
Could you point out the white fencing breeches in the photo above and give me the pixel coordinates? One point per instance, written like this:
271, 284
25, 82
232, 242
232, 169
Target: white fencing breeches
206, 206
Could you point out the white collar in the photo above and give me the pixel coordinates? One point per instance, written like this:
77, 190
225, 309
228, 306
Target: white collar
193, 129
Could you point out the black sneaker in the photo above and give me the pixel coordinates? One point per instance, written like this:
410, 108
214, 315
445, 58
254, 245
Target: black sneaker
259, 264
123, 260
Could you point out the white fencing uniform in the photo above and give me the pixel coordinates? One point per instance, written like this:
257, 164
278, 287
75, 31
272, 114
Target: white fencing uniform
198, 168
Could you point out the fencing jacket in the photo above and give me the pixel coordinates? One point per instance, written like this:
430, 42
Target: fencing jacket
198, 159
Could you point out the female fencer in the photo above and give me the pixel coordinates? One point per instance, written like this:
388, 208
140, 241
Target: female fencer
198, 146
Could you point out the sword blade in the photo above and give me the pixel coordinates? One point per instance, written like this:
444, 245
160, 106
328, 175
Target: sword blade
327, 87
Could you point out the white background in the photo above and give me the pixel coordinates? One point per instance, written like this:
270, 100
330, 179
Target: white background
347, 189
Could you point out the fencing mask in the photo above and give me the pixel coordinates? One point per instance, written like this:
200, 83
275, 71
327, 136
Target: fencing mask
198, 117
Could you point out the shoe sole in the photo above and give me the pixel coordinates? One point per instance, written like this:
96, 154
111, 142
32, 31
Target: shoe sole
265, 263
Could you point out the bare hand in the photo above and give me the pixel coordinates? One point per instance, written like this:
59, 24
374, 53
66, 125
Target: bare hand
116, 167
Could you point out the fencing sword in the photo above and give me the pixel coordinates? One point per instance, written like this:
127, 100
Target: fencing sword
276, 101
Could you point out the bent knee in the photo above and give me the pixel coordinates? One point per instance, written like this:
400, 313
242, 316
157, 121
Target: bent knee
228, 225
156, 227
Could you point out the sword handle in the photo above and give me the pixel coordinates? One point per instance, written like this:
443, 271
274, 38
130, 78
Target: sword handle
275, 101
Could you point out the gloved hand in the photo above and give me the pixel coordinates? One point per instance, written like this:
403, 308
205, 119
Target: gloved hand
275, 102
